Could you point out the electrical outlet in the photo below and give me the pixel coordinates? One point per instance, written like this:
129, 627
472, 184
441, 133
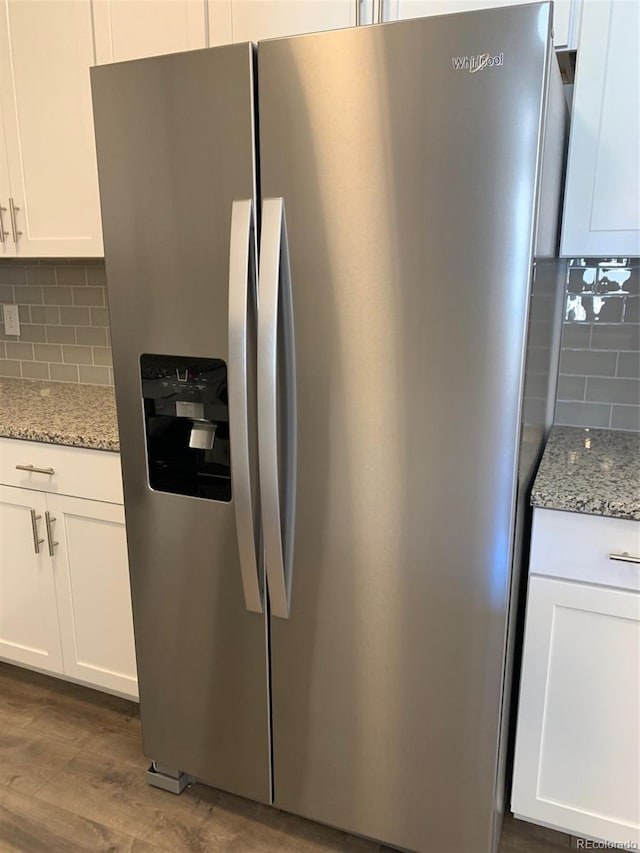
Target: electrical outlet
11, 320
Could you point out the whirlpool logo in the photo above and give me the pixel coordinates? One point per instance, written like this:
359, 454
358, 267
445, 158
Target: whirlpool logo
473, 64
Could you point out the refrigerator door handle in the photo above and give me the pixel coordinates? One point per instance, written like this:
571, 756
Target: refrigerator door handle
276, 412
241, 282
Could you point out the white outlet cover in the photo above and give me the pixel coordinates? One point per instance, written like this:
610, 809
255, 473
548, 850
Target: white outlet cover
11, 320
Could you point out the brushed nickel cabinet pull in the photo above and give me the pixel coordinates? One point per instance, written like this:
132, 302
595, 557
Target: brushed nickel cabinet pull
34, 470
49, 519
12, 213
34, 529
3, 233
625, 557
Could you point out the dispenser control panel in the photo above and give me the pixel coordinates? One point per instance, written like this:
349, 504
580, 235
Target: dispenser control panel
186, 416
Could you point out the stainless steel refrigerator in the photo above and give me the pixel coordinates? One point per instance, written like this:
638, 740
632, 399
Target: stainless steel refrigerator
321, 255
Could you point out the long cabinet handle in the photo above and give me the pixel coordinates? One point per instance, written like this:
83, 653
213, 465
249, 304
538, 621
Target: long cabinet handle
12, 214
49, 519
34, 530
242, 299
625, 557
3, 234
33, 470
277, 472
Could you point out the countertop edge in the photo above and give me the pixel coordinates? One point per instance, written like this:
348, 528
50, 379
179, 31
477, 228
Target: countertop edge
66, 414
60, 439
589, 472
610, 510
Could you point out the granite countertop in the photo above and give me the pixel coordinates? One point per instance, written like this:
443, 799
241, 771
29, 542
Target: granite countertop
594, 471
59, 413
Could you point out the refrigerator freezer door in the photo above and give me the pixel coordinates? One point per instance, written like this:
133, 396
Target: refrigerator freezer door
176, 149
408, 159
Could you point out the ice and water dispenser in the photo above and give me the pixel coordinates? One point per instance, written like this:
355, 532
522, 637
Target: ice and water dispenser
186, 416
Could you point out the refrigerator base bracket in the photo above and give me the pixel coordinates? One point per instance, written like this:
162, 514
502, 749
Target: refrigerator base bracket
173, 781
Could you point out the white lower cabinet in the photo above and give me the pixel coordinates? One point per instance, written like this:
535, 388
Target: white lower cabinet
28, 613
577, 759
92, 584
65, 601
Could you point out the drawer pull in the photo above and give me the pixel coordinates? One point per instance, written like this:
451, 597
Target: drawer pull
49, 519
625, 557
34, 529
35, 470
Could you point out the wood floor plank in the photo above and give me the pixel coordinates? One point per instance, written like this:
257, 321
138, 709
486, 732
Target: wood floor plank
120, 744
115, 794
22, 694
518, 836
262, 829
30, 826
28, 762
75, 719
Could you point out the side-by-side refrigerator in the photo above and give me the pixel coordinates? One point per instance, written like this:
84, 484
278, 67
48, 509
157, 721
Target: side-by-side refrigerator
321, 254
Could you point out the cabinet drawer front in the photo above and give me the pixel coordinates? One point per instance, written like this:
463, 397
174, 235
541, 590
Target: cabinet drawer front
93, 474
578, 547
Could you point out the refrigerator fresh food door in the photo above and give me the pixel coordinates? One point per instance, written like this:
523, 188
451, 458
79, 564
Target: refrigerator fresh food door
407, 156
175, 140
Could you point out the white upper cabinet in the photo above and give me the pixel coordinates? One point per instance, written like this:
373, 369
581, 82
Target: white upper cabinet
252, 20
602, 196
7, 246
132, 29
565, 23
46, 48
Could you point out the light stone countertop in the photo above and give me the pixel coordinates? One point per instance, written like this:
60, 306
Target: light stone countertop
59, 413
592, 471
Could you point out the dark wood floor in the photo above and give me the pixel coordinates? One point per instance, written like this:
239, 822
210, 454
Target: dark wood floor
72, 781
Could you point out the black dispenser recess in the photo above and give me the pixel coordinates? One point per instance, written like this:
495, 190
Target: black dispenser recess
186, 416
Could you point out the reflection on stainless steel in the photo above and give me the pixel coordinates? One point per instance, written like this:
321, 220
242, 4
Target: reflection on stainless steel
423, 351
410, 210
175, 149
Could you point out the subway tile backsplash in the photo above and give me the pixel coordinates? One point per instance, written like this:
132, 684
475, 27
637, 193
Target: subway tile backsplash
64, 321
599, 377
65, 336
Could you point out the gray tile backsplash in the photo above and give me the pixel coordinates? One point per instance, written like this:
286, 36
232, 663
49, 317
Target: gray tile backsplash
64, 321
599, 377
65, 334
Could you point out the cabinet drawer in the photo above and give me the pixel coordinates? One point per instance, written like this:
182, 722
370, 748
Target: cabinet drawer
93, 474
578, 547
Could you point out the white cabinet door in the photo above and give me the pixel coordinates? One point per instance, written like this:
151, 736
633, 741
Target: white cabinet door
46, 48
565, 24
7, 246
94, 602
252, 20
28, 614
577, 760
132, 29
602, 196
